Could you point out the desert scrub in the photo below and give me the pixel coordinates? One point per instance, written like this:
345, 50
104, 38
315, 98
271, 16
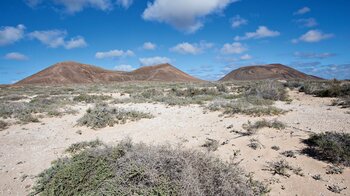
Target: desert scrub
253, 128
91, 98
211, 144
80, 146
329, 146
138, 169
289, 153
343, 102
3, 125
39, 104
283, 168
242, 106
270, 89
333, 88
102, 116
255, 144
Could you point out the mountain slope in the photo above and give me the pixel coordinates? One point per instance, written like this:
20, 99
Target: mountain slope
77, 73
271, 71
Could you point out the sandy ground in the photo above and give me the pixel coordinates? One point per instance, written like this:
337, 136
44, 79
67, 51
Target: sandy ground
26, 150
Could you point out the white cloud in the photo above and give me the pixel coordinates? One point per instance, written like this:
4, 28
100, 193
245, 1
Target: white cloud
114, 54
307, 22
16, 56
124, 68
238, 21
314, 55
187, 48
313, 36
125, 3
234, 48
74, 6
71, 6
261, 32
154, 61
302, 11
56, 38
33, 3
77, 42
246, 57
51, 38
149, 46
10, 35
184, 15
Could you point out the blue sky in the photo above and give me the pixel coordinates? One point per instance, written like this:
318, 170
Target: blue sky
206, 38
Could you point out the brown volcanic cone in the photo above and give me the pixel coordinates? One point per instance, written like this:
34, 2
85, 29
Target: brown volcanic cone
163, 72
77, 73
263, 72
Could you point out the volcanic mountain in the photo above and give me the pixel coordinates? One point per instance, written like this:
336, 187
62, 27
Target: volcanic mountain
77, 73
271, 71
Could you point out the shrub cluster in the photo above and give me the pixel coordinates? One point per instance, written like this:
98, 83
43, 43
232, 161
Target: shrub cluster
329, 146
102, 115
137, 169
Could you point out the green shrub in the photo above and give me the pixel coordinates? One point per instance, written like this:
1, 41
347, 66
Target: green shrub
91, 98
102, 115
330, 146
137, 169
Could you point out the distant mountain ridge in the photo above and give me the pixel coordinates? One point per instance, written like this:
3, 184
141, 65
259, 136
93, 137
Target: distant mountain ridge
270, 71
77, 73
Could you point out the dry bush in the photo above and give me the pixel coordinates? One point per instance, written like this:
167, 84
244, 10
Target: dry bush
102, 115
283, 168
336, 188
242, 106
289, 153
3, 125
270, 89
91, 98
333, 88
253, 128
255, 144
343, 102
80, 146
329, 146
138, 169
211, 144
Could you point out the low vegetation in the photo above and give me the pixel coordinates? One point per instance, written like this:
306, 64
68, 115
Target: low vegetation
289, 153
255, 144
283, 168
103, 115
270, 90
91, 98
243, 106
25, 111
80, 146
3, 125
137, 169
251, 128
334, 169
330, 146
333, 88
211, 144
